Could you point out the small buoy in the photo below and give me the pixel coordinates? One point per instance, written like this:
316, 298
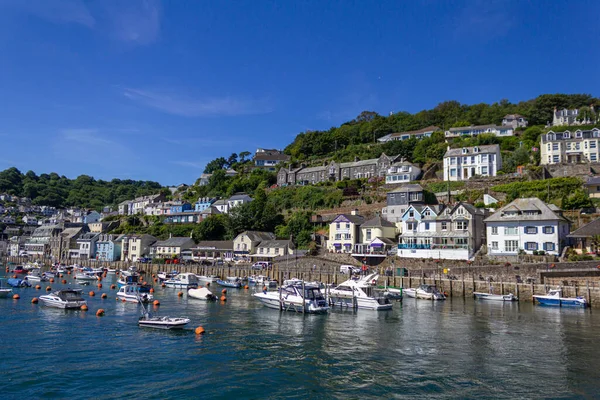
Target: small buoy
92, 293
112, 286
64, 281
100, 313
199, 330
145, 283
156, 303
163, 285
99, 278
34, 300
16, 297
7, 269
155, 280
48, 288
15, 276
154, 276
264, 288
122, 300
104, 295
446, 294
223, 298
224, 291
246, 287
51, 280
38, 287
151, 290
69, 272
60, 275
99, 286
207, 284
84, 308
180, 294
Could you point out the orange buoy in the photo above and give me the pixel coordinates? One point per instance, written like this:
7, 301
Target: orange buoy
64, 281
155, 280
69, 272
100, 313
92, 293
145, 283
154, 276
112, 286
104, 295
151, 290
163, 285
223, 298
99, 278
16, 297
264, 288
207, 284
15, 276
7, 269
60, 275
51, 280
224, 291
34, 300
48, 288
246, 287
199, 330
99, 286
122, 300
84, 308
156, 303
180, 294
38, 287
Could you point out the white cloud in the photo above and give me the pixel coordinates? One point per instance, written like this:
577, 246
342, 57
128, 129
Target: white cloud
190, 107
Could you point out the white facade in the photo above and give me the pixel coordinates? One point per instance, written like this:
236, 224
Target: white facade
501, 131
467, 162
570, 147
402, 172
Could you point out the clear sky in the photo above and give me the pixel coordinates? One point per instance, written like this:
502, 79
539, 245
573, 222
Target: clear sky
145, 89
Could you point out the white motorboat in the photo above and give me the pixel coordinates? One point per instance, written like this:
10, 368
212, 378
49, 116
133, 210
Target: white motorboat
86, 276
135, 293
360, 294
201, 294
133, 270
554, 298
292, 281
291, 298
148, 321
67, 298
163, 276
184, 280
111, 270
495, 297
208, 278
5, 291
427, 292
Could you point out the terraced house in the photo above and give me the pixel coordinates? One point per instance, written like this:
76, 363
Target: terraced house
580, 146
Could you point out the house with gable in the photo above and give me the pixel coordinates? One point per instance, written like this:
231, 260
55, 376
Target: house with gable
464, 163
172, 247
377, 238
136, 246
87, 246
245, 243
441, 232
528, 225
398, 201
579, 146
344, 232
269, 158
515, 121
402, 172
269, 249
108, 247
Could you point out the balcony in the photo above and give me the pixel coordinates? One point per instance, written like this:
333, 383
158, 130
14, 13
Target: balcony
435, 246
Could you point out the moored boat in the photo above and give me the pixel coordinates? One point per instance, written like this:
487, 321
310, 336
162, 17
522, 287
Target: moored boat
148, 321
426, 292
135, 293
17, 282
86, 276
184, 280
66, 298
361, 293
201, 294
495, 297
5, 291
291, 298
554, 298
231, 282
207, 278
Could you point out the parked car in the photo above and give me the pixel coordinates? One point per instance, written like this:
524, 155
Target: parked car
145, 260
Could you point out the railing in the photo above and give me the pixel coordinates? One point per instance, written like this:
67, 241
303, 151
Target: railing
423, 246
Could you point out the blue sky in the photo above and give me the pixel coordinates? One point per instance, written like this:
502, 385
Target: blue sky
145, 89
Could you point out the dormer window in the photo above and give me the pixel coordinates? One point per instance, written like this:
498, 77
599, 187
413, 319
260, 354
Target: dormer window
566, 135
578, 134
465, 151
476, 149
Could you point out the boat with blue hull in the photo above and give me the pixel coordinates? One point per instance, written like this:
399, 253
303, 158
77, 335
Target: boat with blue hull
554, 298
230, 282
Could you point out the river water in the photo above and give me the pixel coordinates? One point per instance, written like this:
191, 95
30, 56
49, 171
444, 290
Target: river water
453, 349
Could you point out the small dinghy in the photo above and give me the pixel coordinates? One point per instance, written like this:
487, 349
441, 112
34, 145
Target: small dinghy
202, 294
232, 282
148, 321
4, 291
16, 282
495, 297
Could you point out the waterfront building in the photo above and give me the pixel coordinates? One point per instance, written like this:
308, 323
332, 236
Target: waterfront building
344, 232
134, 247
500, 131
172, 247
526, 225
39, 244
585, 239
246, 242
441, 232
398, 201
269, 249
464, 163
87, 246
108, 247
213, 250
377, 238
515, 121
580, 146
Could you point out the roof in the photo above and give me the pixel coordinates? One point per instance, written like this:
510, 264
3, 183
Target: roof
275, 244
418, 131
175, 242
593, 180
410, 187
384, 240
240, 196
490, 148
377, 222
220, 202
588, 230
215, 245
88, 236
270, 155
355, 219
210, 210
531, 204
478, 127
257, 236
513, 116
70, 232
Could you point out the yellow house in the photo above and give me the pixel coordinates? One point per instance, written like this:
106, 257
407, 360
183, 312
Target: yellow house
172, 246
344, 232
246, 242
593, 186
269, 249
377, 237
136, 246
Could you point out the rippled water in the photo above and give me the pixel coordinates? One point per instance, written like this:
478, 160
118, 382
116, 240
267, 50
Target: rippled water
452, 349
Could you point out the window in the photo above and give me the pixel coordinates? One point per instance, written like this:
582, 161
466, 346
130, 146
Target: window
577, 146
452, 160
593, 144
510, 230
444, 226
494, 230
593, 157
511, 246
411, 226
484, 170
347, 236
461, 225
494, 245
549, 147
337, 226
531, 246
568, 145
549, 246
347, 226
426, 226
368, 234
453, 172
411, 213
277, 250
484, 158
460, 211
464, 151
554, 146
555, 159
261, 250
530, 230
338, 236
548, 230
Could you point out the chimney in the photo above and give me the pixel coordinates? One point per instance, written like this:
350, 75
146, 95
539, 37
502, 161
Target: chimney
354, 212
356, 159
448, 147
170, 235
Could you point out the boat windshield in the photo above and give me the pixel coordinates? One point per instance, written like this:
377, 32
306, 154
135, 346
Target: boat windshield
344, 288
70, 296
313, 294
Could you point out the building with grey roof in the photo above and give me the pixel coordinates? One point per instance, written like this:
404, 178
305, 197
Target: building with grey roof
464, 163
501, 131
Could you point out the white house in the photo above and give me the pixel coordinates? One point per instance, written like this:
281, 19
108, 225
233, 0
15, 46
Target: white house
402, 172
564, 117
515, 121
526, 224
570, 147
237, 200
464, 163
495, 130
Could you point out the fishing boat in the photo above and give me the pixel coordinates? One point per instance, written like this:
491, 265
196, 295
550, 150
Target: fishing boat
360, 293
19, 269
18, 282
5, 291
163, 276
426, 292
207, 278
201, 294
554, 298
184, 280
232, 282
133, 270
292, 298
66, 298
148, 321
129, 280
494, 297
135, 293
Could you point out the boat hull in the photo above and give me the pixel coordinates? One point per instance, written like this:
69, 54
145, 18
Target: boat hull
561, 301
236, 285
495, 297
273, 301
4, 293
71, 305
202, 294
361, 303
164, 323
